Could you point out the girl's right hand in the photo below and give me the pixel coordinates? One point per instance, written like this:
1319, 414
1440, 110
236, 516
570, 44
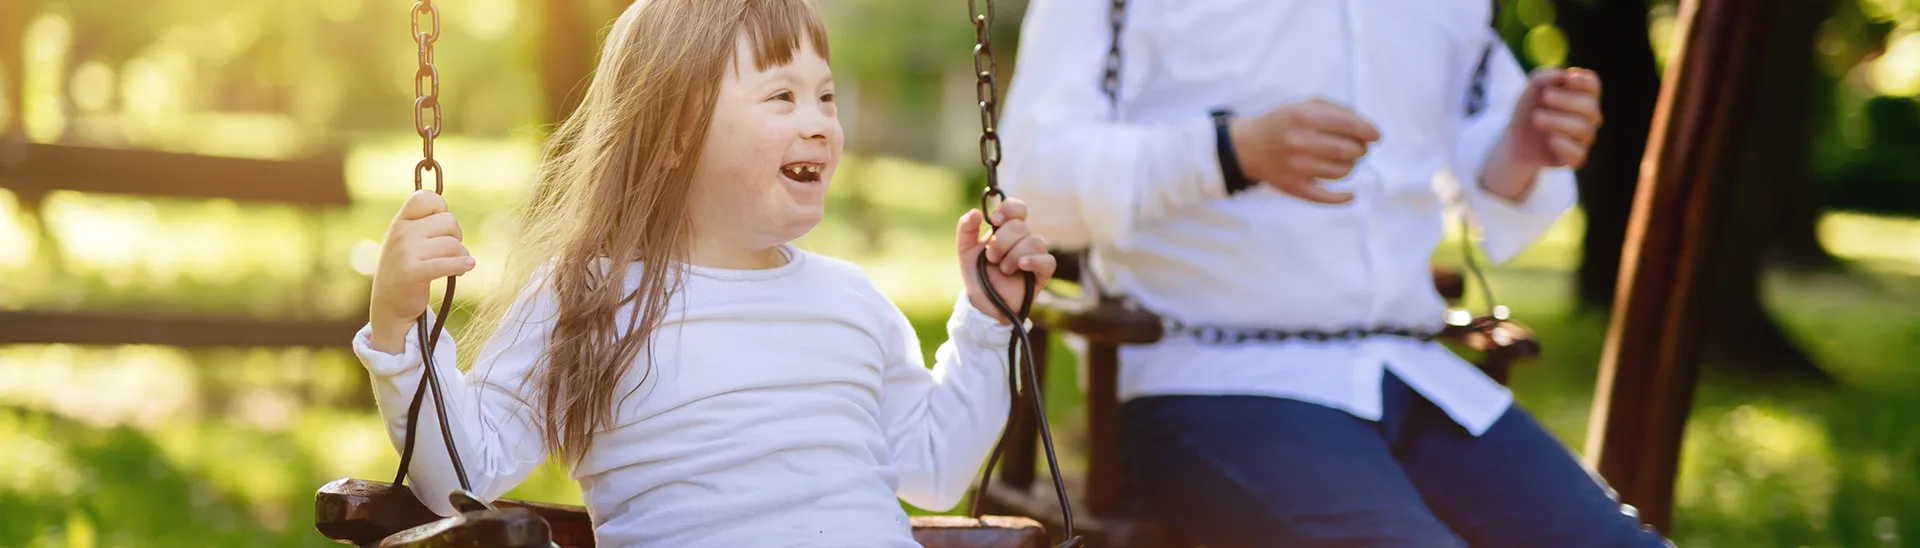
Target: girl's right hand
423, 244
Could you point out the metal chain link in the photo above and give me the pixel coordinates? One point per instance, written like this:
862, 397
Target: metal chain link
1019, 347
986, 89
1111, 84
426, 92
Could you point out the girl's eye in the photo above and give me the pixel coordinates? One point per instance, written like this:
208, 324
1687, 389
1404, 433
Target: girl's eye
826, 97
783, 95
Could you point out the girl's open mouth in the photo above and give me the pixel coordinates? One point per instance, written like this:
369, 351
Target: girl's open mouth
801, 172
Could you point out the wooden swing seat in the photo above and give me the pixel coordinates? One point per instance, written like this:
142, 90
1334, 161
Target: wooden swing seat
376, 514
1105, 324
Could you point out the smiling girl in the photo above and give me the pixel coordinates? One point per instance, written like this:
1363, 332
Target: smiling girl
708, 383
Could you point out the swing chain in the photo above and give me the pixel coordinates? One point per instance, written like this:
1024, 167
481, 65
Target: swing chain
426, 92
1019, 347
988, 92
1111, 83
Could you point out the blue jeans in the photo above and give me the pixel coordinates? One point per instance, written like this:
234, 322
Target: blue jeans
1232, 471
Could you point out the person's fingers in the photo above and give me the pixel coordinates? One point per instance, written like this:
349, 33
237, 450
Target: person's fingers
1327, 145
1319, 169
1581, 79
421, 204
1042, 266
1026, 247
1577, 103
967, 235
433, 269
439, 247
1554, 122
1314, 193
1567, 151
1004, 239
1339, 120
438, 224
1011, 209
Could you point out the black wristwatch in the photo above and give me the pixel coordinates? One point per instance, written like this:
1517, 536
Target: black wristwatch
1236, 180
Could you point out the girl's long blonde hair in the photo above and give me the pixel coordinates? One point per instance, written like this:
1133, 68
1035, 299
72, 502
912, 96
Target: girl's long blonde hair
614, 185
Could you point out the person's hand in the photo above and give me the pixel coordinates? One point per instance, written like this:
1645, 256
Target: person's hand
1297, 146
423, 245
1010, 250
1556, 118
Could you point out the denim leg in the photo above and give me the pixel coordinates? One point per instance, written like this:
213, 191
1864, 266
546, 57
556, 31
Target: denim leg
1514, 486
1234, 471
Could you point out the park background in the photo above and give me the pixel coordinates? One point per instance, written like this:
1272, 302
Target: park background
1803, 432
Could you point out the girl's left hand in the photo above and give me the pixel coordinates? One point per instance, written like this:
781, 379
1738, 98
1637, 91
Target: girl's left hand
1010, 250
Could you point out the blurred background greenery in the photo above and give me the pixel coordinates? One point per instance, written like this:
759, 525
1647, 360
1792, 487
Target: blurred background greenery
1803, 433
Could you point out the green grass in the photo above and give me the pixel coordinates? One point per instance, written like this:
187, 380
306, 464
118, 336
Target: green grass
164, 447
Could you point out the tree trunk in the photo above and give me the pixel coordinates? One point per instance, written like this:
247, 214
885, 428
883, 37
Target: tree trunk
1774, 175
1611, 38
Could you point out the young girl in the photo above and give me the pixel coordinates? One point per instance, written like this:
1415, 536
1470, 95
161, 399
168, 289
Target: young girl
708, 383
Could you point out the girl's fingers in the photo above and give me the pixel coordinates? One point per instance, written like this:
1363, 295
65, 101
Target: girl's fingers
1026, 247
421, 204
1005, 238
1010, 210
439, 247
433, 269
967, 235
438, 224
1042, 266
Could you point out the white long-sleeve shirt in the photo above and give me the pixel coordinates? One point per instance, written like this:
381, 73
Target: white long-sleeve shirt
1145, 192
780, 407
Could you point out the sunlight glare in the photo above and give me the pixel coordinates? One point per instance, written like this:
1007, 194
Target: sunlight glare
47, 40
93, 86
1897, 73
17, 238
153, 93
365, 257
1546, 45
489, 19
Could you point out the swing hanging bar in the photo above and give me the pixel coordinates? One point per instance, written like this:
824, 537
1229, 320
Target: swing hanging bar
1019, 347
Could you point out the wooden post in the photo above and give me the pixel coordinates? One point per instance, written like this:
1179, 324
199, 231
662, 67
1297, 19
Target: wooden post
566, 57
1023, 427
1103, 425
1651, 360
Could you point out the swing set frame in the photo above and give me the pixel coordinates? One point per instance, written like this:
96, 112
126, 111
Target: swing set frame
1651, 356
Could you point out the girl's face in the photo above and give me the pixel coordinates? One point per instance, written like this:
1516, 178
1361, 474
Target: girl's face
770, 151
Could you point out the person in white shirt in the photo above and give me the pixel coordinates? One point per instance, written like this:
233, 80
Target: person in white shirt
707, 383
1281, 169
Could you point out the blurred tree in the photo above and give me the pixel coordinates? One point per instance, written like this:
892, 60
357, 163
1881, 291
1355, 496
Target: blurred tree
1775, 203
1611, 38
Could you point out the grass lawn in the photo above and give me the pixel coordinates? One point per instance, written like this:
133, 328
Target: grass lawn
147, 446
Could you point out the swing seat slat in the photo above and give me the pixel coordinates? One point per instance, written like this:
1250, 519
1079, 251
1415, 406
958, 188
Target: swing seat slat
377, 514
